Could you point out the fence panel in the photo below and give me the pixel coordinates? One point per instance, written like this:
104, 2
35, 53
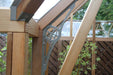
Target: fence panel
104, 51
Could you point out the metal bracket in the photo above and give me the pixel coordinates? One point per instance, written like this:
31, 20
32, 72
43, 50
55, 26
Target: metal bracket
23, 16
14, 8
51, 34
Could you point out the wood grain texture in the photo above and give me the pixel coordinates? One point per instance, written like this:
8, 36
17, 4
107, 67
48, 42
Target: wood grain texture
20, 54
89, 38
37, 55
28, 6
78, 5
93, 51
54, 12
61, 18
104, 66
9, 53
9, 26
47, 48
32, 28
71, 27
80, 38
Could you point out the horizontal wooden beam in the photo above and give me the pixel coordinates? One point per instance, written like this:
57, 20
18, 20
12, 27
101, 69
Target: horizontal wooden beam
54, 12
66, 38
89, 38
97, 21
32, 28
101, 39
6, 25
25, 9
9, 26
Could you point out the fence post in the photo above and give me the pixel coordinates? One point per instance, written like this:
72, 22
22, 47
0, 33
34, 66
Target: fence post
80, 38
93, 51
71, 27
9, 53
37, 54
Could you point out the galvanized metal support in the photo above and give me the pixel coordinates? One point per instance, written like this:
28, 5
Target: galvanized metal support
14, 8
51, 37
23, 16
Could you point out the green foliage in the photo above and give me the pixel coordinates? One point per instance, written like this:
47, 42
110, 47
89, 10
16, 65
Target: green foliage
98, 59
83, 59
30, 50
2, 62
30, 56
105, 12
79, 14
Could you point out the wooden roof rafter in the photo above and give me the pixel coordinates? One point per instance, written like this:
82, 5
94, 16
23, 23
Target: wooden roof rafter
54, 13
56, 10
78, 5
24, 9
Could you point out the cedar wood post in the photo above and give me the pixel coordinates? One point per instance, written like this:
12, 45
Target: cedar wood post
80, 38
37, 55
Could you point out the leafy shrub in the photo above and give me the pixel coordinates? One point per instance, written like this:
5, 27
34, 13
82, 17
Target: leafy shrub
2, 62
3, 54
83, 59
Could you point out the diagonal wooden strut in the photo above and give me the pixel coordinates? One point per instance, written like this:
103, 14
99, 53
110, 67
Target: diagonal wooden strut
80, 38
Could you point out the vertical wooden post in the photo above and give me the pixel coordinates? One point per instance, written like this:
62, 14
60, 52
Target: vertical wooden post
110, 29
47, 48
20, 54
93, 52
71, 27
59, 45
80, 38
46, 73
37, 55
9, 53
59, 50
94, 26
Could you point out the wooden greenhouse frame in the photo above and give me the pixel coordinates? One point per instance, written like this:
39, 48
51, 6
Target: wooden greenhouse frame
19, 31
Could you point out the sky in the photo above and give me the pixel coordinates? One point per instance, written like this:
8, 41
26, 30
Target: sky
5, 3
43, 9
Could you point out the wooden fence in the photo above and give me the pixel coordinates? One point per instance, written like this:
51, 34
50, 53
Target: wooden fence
2, 45
104, 51
2, 42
